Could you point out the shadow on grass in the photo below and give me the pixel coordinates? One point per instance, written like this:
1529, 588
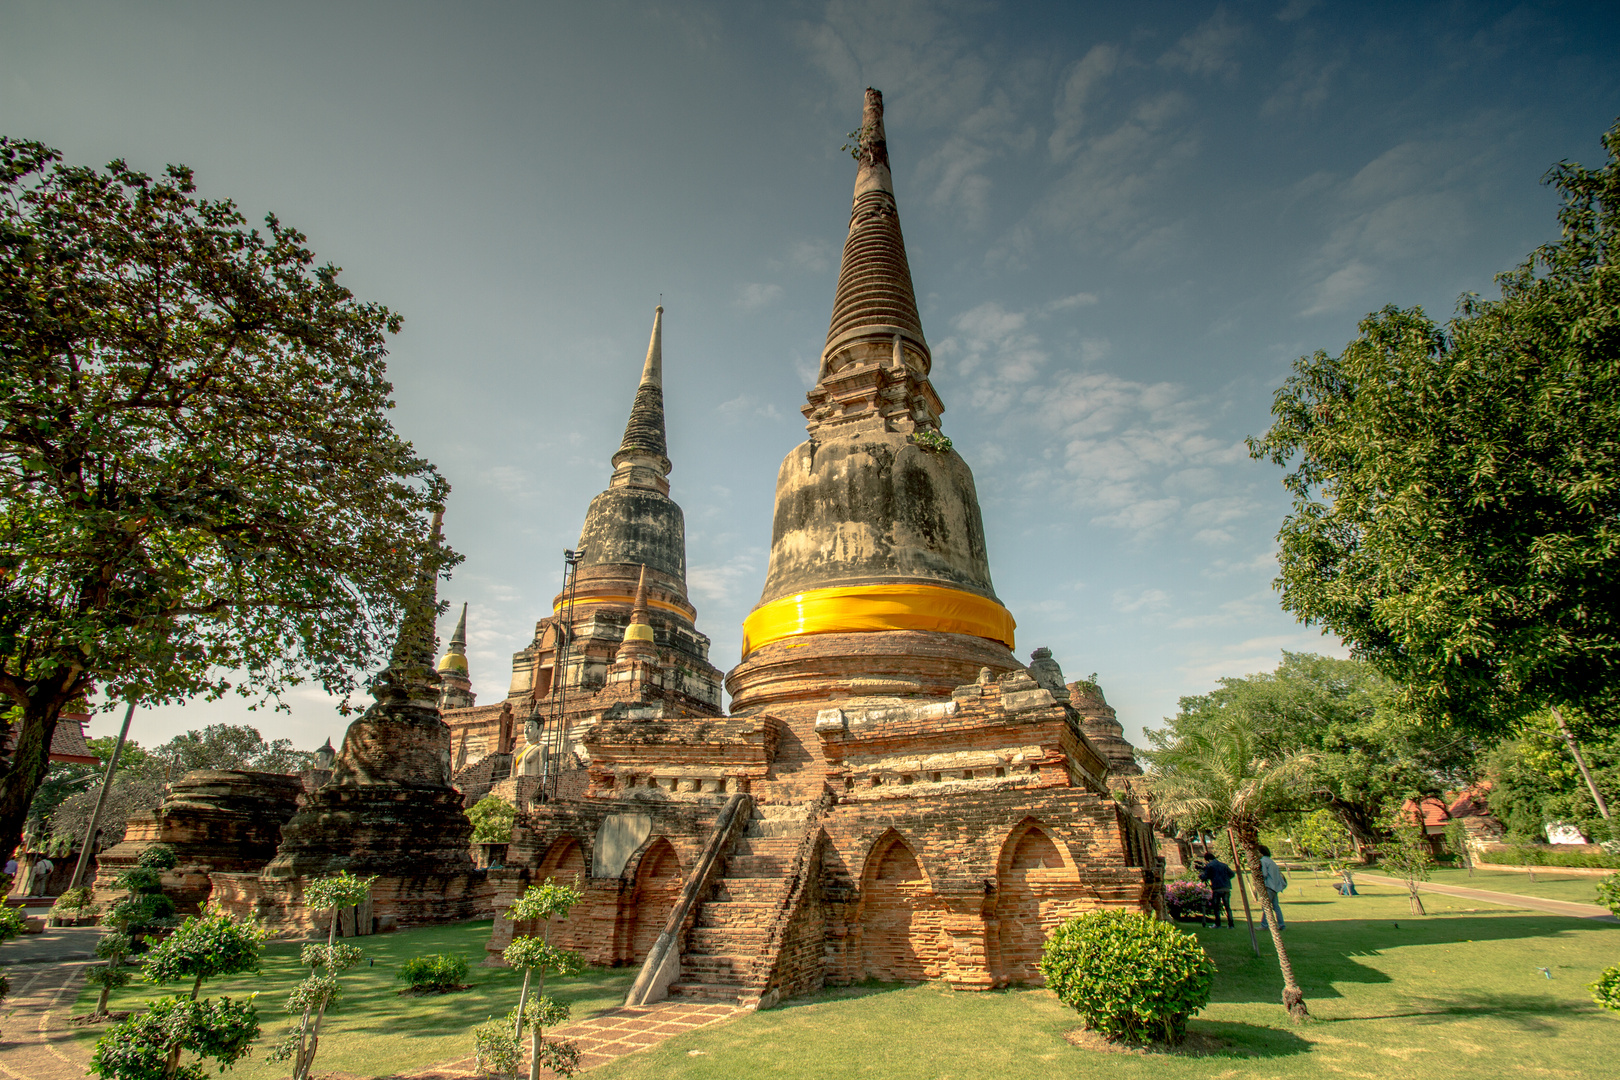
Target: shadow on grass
1527, 1012
1250, 1040
866, 988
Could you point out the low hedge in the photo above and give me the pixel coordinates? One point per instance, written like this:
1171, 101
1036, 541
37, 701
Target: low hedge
436, 971
1526, 855
1132, 978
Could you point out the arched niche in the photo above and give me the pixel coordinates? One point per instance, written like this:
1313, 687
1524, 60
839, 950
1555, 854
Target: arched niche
1034, 874
658, 880
900, 916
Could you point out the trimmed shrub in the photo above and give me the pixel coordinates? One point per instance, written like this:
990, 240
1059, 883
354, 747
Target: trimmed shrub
436, 971
1528, 855
1606, 991
157, 857
1608, 890
1131, 977
74, 902
12, 922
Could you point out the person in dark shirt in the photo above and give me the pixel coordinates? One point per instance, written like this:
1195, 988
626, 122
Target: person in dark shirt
1219, 877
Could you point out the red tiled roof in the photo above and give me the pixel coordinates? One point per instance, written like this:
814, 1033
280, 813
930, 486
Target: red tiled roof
67, 744
1434, 811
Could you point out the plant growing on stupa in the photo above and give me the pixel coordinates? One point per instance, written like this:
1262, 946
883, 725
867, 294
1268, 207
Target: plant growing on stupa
1406, 854
492, 819
149, 1046
1131, 977
311, 998
204, 491
496, 1047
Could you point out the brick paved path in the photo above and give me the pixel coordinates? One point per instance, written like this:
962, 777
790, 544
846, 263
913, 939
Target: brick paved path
35, 1041
612, 1035
1534, 903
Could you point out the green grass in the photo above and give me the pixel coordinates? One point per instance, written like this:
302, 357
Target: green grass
374, 1031
1455, 993
1549, 883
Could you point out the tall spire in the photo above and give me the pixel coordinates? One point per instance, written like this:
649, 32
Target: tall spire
644, 443
409, 677
875, 295
455, 657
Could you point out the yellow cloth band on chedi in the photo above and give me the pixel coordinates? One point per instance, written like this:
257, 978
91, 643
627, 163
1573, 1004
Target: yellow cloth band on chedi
860, 608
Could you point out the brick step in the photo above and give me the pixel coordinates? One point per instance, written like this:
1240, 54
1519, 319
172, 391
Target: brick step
717, 967
704, 940
769, 845
701, 991
734, 913
777, 827
756, 866
749, 890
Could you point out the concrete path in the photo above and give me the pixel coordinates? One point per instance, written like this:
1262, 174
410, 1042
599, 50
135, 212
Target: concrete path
56, 944
35, 1041
611, 1035
1534, 903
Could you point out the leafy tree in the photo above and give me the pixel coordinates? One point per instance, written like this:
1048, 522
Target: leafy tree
530, 954
229, 746
492, 819
148, 1046
1217, 776
206, 947
311, 998
114, 948
1456, 510
1534, 781
1406, 853
65, 779
199, 485
1457, 844
1364, 748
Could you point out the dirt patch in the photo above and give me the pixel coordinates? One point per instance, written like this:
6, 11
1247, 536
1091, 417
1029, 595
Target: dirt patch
1195, 1045
92, 1019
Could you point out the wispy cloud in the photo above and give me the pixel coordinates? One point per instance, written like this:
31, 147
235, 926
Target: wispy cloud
757, 295
1209, 50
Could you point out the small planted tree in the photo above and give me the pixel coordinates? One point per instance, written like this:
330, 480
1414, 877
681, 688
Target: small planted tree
1608, 891
1132, 978
1407, 855
149, 1046
312, 997
144, 907
1457, 843
492, 819
496, 1048
1323, 837
114, 948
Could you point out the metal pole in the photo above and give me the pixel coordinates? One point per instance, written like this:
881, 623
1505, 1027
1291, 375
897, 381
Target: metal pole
1237, 865
557, 737
1575, 752
101, 800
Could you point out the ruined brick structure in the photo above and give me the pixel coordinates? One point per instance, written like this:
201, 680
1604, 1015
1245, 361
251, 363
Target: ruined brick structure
634, 545
387, 810
894, 796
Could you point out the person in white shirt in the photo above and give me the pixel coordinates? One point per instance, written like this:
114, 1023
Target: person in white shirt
1275, 883
42, 873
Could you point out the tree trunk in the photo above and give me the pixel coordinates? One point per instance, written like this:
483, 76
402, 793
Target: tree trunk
101, 1002
1358, 822
1580, 762
30, 760
1293, 997
1417, 901
523, 996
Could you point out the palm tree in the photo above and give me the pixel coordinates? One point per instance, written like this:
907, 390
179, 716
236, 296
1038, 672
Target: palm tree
1214, 776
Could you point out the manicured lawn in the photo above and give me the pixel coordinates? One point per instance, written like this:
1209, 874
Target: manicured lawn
1549, 883
374, 1031
1456, 993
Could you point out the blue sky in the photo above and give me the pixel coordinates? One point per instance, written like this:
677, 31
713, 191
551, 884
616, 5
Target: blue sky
1124, 223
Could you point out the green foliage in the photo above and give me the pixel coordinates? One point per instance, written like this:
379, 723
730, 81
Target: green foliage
12, 921
1405, 852
1323, 837
1130, 976
436, 971
1608, 891
495, 1049
931, 440
536, 954
205, 947
114, 947
1217, 773
138, 912
74, 901
1535, 781
204, 491
319, 991
1364, 748
341, 890
335, 957
229, 746
542, 902
1455, 489
139, 880
1606, 991
492, 819
1523, 855
138, 1049
111, 976
158, 857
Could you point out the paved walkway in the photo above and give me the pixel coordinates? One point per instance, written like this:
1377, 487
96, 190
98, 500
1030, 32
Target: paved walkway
1534, 903
611, 1035
35, 1041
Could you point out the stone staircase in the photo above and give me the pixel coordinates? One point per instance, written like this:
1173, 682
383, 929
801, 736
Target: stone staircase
722, 959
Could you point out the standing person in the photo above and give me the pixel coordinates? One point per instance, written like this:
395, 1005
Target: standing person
42, 873
1275, 883
1219, 877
